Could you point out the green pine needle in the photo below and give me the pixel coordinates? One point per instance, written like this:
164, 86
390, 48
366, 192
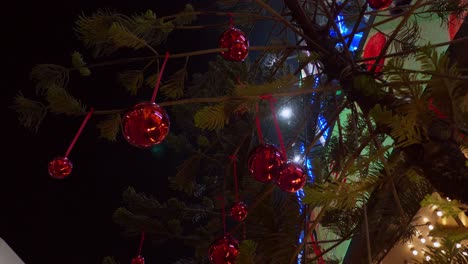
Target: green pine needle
49, 75
79, 63
131, 80
110, 127
61, 102
211, 117
30, 113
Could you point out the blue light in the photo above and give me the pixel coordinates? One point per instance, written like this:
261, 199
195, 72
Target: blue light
344, 31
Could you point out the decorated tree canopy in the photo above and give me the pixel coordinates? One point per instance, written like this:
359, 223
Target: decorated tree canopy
317, 132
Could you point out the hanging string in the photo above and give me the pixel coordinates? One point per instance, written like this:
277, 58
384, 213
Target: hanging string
231, 19
316, 248
83, 124
141, 243
436, 110
156, 88
234, 160
272, 101
221, 198
257, 123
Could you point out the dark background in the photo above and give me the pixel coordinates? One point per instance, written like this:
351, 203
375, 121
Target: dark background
70, 221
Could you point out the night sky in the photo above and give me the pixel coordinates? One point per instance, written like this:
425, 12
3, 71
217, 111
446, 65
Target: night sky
50, 221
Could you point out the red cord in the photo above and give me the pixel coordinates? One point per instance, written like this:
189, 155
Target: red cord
257, 123
231, 19
141, 243
317, 250
88, 116
436, 110
272, 101
156, 88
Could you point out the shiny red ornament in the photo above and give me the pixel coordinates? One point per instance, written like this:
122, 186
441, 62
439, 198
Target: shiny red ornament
291, 177
224, 250
138, 260
379, 4
60, 167
239, 211
147, 124
237, 44
264, 161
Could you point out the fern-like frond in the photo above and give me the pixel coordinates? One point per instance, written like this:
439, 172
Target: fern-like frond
184, 180
174, 87
407, 37
61, 102
49, 75
110, 127
131, 80
185, 17
93, 30
211, 117
340, 195
247, 252
122, 37
30, 113
282, 84
109, 260
79, 63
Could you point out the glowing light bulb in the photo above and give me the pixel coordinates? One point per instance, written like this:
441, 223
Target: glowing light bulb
428, 258
430, 226
423, 240
443, 251
458, 245
297, 158
437, 244
439, 213
286, 112
414, 251
464, 253
425, 219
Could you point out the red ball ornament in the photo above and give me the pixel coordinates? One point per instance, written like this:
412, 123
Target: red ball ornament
224, 250
291, 177
237, 44
147, 124
264, 161
138, 260
239, 211
60, 167
379, 4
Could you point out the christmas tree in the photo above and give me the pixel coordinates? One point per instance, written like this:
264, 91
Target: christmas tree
318, 132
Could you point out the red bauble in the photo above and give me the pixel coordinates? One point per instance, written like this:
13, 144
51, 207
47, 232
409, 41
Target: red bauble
147, 124
224, 250
239, 211
264, 162
379, 4
138, 260
60, 167
291, 177
237, 44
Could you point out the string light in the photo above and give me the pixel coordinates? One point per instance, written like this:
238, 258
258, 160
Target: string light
464, 253
436, 244
430, 226
286, 113
428, 258
458, 245
297, 158
414, 251
422, 239
439, 213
